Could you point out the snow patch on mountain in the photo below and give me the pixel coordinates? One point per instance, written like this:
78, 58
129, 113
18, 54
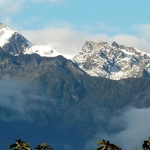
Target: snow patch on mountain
5, 33
42, 50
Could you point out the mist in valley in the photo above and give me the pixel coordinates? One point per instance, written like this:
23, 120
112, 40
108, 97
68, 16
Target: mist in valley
27, 114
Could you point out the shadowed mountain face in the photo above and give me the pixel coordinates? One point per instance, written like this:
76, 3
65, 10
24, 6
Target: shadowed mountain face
17, 44
52, 100
29, 67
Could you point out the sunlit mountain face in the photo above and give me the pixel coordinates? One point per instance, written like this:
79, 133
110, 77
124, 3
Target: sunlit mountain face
116, 62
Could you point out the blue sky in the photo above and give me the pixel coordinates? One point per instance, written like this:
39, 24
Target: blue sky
71, 22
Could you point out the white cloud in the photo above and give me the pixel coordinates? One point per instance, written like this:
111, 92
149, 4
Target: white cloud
136, 129
61, 39
17, 97
66, 40
133, 41
10, 6
143, 30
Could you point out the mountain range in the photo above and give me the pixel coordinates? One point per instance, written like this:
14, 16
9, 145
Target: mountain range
97, 58
46, 97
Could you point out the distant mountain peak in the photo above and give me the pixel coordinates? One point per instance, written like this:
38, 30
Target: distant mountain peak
14, 43
98, 58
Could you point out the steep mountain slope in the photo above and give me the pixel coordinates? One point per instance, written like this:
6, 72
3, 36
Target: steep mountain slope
28, 67
113, 61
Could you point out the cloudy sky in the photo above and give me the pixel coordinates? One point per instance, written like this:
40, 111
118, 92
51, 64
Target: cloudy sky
65, 25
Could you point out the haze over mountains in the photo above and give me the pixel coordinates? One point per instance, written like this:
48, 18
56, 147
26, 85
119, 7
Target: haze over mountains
46, 97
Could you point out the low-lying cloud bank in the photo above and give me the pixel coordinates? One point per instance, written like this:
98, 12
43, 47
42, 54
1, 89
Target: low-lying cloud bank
136, 130
69, 41
19, 100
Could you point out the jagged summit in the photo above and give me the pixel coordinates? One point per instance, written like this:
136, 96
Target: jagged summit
98, 58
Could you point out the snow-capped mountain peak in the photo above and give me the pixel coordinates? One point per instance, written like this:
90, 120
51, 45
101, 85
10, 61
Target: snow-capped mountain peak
98, 58
14, 43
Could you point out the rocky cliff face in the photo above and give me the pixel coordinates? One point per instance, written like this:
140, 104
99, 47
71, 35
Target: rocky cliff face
113, 61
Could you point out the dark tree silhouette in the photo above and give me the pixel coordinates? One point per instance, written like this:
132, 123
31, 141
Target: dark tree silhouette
107, 145
20, 145
146, 144
43, 146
